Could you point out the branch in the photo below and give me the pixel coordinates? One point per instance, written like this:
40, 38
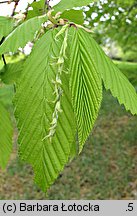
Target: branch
3, 2
15, 6
26, 12
9, 1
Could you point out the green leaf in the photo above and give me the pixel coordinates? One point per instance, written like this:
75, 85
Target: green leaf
6, 95
69, 4
6, 132
34, 112
22, 34
114, 80
38, 9
10, 73
75, 16
85, 84
6, 26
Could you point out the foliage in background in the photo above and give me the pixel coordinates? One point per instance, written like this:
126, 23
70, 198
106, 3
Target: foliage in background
114, 21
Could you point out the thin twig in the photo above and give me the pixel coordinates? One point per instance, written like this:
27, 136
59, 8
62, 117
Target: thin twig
9, 1
3, 2
15, 6
26, 12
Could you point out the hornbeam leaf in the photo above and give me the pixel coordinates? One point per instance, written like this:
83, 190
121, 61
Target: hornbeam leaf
6, 132
114, 80
65, 4
11, 72
35, 104
85, 84
38, 9
6, 26
22, 34
75, 16
6, 95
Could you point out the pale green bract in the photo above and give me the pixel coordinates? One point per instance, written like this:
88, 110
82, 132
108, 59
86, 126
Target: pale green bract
35, 104
85, 85
6, 132
22, 34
